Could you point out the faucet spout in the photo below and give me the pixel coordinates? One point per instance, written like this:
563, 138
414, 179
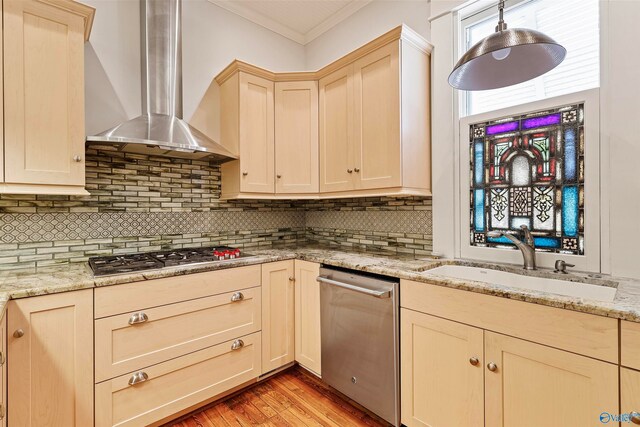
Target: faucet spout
527, 247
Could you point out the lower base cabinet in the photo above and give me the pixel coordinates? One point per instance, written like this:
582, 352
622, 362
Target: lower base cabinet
630, 394
162, 390
442, 372
50, 360
307, 316
533, 385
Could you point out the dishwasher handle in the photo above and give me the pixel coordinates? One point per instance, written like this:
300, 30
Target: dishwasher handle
371, 292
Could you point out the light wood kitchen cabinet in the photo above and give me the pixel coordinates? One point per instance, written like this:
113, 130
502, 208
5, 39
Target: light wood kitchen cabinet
307, 316
50, 360
374, 122
278, 347
365, 133
3, 371
630, 394
630, 344
336, 131
44, 135
131, 341
442, 372
296, 137
249, 131
530, 385
161, 391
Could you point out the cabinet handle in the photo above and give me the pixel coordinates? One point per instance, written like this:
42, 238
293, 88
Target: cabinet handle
356, 169
2, 358
238, 296
474, 361
349, 170
278, 176
2, 411
492, 367
635, 418
237, 345
77, 158
292, 279
245, 173
137, 318
18, 333
138, 377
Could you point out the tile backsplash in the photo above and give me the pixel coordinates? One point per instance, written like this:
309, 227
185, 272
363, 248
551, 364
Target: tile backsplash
145, 203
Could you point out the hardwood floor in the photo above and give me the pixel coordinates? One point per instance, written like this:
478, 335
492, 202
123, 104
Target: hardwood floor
291, 398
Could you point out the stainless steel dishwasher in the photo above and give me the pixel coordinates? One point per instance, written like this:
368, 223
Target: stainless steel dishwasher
360, 345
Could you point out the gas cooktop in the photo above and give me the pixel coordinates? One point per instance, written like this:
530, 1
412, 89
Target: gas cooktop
119, 264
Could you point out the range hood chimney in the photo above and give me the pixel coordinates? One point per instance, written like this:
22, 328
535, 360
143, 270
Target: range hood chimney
160, 129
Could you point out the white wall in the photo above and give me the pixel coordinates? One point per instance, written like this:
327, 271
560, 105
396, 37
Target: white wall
369, 22
212, 38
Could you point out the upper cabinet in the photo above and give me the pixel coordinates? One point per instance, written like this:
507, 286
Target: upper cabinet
43, 56
358, 127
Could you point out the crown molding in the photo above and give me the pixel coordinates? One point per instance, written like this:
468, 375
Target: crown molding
86, 12
298, 37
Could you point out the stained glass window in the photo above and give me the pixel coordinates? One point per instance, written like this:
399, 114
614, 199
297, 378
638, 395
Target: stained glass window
530, 170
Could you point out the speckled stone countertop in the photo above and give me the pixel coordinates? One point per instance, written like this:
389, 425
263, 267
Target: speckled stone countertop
626, 305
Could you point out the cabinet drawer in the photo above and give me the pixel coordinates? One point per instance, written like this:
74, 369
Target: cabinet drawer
581, 333
630, 344
177, 384
119, 299
173, 330
629, 391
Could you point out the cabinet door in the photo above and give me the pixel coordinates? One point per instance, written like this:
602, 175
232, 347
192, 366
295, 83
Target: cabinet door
3, 365
256, 134
43, 94
336, 133
296, 137
307, 318
50, 360
533, 385
442, 375
277, 315
376, 86
630, 394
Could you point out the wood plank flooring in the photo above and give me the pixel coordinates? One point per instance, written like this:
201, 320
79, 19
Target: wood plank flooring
291, 398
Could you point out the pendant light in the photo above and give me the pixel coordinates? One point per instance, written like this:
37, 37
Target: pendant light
506, 57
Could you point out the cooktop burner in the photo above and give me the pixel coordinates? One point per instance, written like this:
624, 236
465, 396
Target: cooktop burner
118, 264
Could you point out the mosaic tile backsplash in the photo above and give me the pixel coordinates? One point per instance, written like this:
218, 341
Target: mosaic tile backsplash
145, 203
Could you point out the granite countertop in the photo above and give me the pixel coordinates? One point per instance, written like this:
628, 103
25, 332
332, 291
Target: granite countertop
626, 305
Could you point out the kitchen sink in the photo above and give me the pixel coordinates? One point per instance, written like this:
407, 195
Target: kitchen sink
530, 283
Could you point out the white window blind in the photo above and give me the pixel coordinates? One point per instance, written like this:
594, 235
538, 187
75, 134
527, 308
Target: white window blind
572, 23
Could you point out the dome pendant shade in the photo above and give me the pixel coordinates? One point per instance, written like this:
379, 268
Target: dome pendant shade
505, 58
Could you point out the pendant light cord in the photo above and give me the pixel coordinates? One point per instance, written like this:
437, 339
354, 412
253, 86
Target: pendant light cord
501, 24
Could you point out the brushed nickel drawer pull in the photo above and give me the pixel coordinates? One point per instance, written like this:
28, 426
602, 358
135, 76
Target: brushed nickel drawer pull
492, 367
474, 361
237, 345
137, 318
138, 377
238, 296
18, 333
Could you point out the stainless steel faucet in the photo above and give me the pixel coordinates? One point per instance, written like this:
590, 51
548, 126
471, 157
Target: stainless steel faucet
527, 247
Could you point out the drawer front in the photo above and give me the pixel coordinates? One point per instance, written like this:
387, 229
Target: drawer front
581, 333
162, 333
112, 300
177, 384
630, 344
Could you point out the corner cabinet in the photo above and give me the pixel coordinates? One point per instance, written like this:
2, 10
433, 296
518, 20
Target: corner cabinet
44, 135
50, 360
358, 127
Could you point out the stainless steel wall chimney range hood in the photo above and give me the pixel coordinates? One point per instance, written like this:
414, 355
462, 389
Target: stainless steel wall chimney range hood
160, 129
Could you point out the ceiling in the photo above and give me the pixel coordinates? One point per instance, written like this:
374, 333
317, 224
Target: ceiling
300, 21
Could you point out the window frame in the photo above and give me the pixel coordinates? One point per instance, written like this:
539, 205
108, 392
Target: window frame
479, 11
591, 260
